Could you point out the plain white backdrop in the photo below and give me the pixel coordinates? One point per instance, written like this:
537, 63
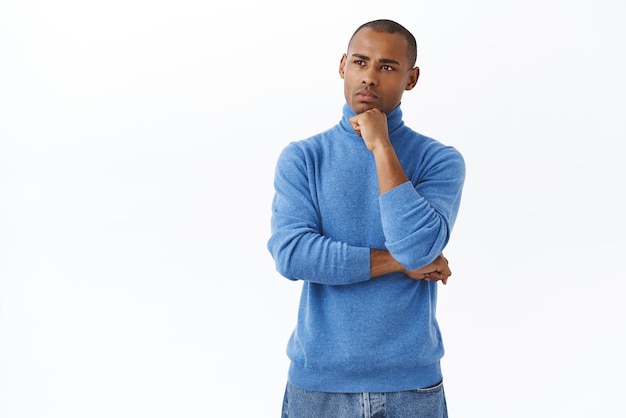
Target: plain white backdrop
137, 147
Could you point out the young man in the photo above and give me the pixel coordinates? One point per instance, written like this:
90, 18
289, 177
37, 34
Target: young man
361, 215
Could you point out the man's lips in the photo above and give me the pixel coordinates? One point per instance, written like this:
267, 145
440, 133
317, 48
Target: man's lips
366, 96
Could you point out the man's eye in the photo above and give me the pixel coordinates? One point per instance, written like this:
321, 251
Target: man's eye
359, 62
387, 67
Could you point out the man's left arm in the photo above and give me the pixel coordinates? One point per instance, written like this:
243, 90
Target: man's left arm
417, 219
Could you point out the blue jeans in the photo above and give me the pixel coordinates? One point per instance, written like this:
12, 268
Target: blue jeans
418, 403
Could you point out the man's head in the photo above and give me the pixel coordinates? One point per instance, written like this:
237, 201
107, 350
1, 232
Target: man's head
379, 66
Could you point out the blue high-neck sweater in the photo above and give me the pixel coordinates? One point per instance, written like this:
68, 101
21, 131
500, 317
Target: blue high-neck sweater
355, 333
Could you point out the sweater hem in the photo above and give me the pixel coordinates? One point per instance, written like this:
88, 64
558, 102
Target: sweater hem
416, 378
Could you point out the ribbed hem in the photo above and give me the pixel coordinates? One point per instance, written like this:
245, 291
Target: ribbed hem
393, 381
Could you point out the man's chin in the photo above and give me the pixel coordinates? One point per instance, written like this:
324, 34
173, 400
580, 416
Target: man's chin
363, 107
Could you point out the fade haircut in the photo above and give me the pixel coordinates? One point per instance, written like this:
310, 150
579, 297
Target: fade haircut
389, 26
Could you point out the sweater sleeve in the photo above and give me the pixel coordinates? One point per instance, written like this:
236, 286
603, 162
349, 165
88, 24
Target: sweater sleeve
299, 249
418, 216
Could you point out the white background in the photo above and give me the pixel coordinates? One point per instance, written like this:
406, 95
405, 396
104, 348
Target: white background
137, 147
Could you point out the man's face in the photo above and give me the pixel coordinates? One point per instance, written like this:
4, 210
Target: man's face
376, 71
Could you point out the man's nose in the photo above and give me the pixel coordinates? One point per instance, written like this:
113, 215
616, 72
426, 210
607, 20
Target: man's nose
369, 77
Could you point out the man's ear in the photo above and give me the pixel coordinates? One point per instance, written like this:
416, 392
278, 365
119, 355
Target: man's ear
342, 65
414, 75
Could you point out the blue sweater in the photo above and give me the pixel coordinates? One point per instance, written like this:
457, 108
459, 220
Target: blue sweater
355, 333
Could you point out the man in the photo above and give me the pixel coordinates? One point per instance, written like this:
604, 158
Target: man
361, 215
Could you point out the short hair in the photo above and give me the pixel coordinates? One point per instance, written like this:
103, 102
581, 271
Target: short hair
389, 26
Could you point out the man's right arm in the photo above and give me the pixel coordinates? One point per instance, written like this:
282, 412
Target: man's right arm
299, 249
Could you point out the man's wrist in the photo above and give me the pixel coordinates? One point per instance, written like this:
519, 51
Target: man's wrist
381, 262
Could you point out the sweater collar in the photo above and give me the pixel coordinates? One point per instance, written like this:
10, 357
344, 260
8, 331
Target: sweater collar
394, 119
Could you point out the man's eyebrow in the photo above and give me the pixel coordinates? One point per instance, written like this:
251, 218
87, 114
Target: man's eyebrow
382, 60
363, 57
388, 61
